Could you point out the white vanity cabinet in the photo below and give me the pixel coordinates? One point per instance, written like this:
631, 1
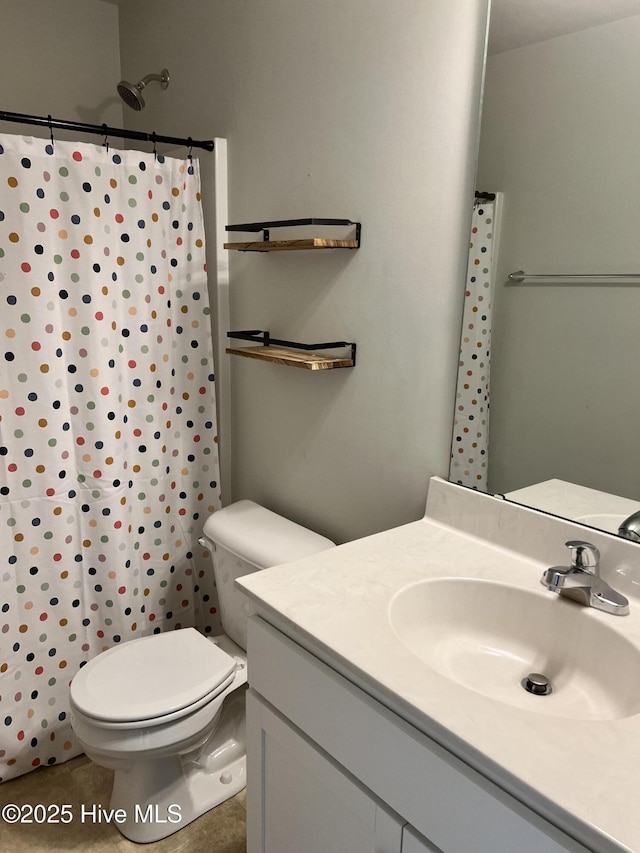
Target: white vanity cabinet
413, 842
332, 770
306, 801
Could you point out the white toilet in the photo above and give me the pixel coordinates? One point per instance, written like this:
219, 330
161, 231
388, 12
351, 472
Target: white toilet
166, 711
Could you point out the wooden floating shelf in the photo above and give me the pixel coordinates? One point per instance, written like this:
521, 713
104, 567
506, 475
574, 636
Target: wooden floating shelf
269, 245
291, 245
292, 357
292, 353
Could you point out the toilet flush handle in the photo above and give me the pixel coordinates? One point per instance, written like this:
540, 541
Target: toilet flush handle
204, 542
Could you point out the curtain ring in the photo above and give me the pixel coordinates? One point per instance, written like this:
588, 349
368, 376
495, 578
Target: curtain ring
153, 139
105, 130
190, 144
50, 123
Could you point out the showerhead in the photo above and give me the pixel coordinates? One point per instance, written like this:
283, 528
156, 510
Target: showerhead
131, 93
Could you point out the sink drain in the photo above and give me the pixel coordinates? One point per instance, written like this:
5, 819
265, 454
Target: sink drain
537, 684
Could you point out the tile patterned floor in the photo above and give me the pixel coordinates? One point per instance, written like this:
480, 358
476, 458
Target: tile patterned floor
79, 781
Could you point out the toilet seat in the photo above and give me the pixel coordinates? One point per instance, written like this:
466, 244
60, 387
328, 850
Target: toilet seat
144, 683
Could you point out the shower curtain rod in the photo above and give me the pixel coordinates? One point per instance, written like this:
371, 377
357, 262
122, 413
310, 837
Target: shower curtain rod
480, 196
103, 130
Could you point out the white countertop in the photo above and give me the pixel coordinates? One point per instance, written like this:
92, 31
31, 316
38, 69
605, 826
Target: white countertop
581, 774
569, 500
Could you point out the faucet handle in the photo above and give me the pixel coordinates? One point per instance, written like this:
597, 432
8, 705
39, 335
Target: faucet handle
584, 555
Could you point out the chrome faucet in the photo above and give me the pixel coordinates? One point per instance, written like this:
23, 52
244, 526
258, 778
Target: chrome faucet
581, 581
630, 527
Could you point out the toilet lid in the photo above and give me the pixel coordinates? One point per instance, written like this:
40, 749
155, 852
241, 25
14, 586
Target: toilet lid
151, 677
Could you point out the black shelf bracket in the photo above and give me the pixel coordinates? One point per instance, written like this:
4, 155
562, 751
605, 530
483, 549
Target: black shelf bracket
294, 223
259, 336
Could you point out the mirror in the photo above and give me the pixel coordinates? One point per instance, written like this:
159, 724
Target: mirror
560, 141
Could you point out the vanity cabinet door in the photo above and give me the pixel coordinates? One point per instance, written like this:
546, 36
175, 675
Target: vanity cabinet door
301, 801
413, 842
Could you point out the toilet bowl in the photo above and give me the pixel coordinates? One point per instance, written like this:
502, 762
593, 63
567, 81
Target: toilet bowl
166, 712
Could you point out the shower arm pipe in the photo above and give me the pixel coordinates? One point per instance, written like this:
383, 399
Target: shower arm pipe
520, 275
104, 130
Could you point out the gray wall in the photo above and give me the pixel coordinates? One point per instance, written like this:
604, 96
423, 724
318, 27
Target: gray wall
560, 137
354, 109
359, 109
60, 58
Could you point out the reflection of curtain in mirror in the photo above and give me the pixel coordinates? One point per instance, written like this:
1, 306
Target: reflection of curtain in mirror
469, 451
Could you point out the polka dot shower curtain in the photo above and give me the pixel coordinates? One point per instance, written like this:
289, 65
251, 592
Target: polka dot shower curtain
108, 463
470, 446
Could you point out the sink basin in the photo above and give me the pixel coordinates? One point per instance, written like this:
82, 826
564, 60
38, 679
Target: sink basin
488, 636
609, 521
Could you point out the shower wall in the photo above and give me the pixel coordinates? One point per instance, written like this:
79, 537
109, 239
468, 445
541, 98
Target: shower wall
60, 58
363, 110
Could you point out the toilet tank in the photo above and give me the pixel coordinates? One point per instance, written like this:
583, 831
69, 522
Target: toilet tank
246, 538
